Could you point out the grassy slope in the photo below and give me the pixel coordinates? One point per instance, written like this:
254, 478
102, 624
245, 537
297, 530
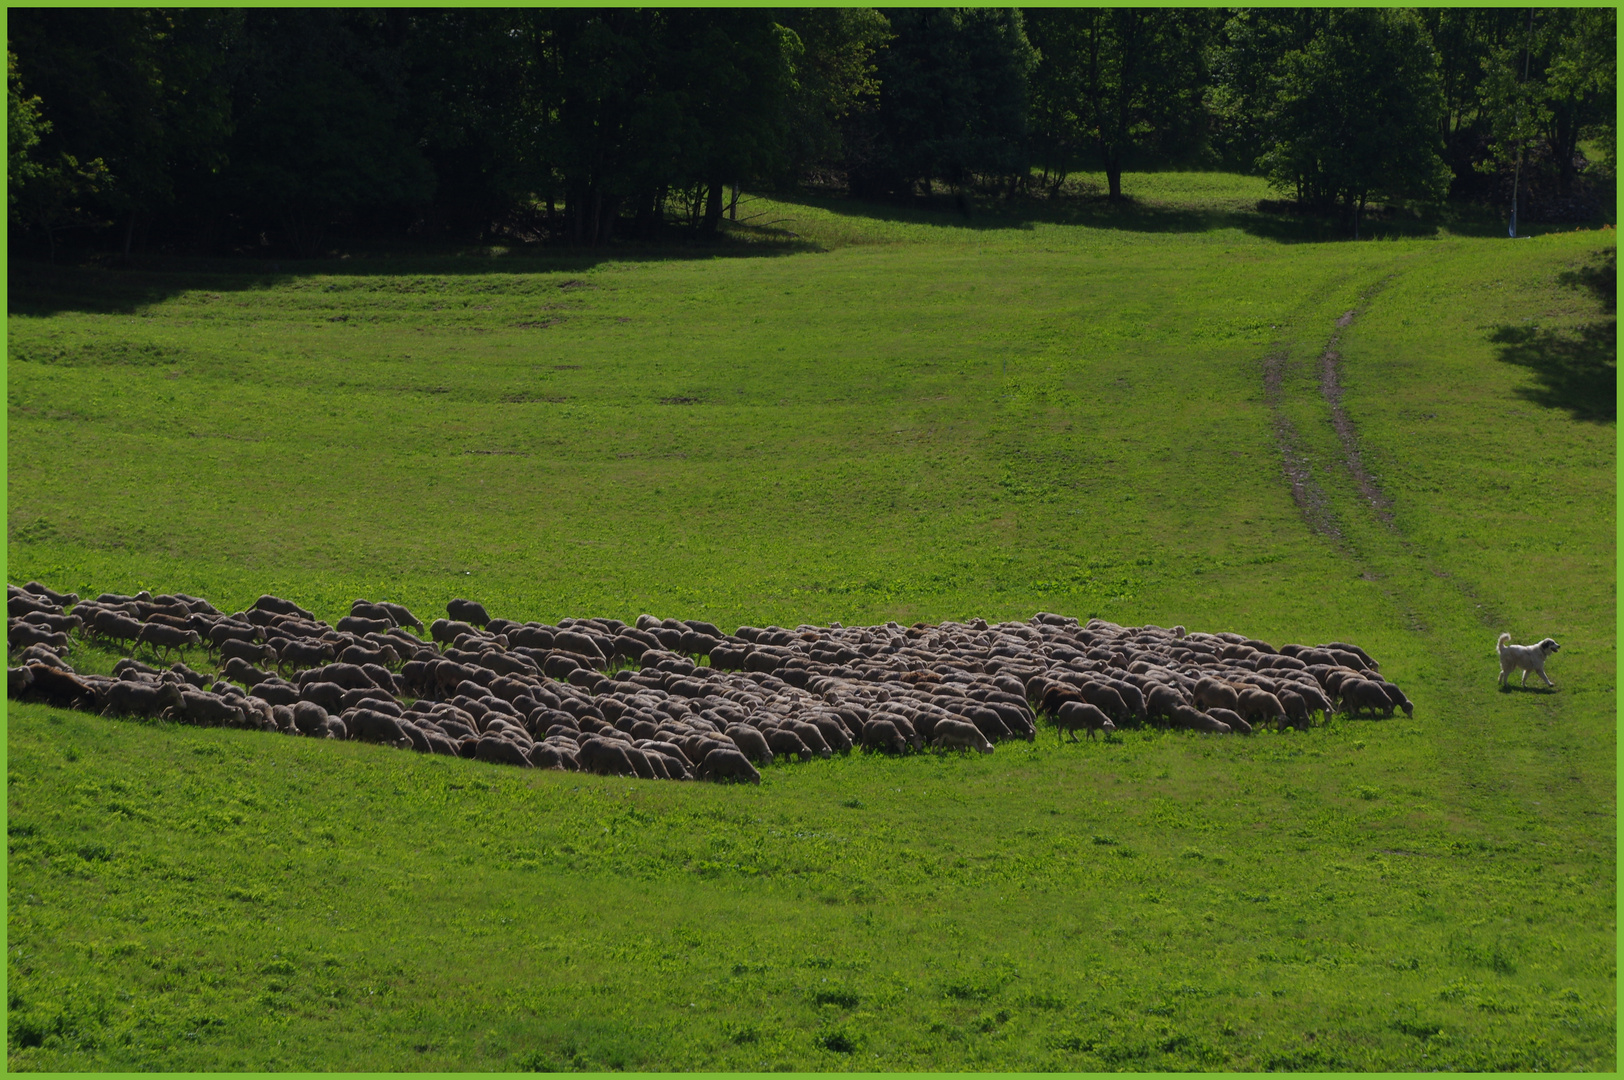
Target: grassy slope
925, 421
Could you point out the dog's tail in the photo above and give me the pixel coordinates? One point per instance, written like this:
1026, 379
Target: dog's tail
1505, 639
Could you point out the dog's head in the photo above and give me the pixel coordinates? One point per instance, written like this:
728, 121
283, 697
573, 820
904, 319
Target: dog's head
1548, 646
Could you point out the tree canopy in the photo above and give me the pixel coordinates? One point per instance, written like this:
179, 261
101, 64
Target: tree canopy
208, 128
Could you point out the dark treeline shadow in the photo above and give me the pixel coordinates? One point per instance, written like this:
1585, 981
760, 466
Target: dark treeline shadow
1576, 371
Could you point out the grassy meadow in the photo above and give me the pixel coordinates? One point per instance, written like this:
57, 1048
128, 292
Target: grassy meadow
856, 413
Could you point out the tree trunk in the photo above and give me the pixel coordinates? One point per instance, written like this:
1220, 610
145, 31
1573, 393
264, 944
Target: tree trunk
713, 208
1113, 175
129, 235
733, 205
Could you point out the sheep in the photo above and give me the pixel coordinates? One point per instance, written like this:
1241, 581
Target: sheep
141, 698
959, 734
278, 606
751, 743
1296, 708
1104, 698
370, 725
166, 638
43, 654
881, 734
726, 763
1210, 692
20, 604
1362, 695
310, 718
328, 695
447, 631
61, 623
1396, 696
467, 611
206, 709
297, 653
1074, 715
1233, 719
1192, 719
227, 630
59, 599
606, 757
238, 670
1161, 701
1257, 706
810, 735
21, 635
786, 743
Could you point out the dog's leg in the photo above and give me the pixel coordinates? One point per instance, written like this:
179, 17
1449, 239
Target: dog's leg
1546, 677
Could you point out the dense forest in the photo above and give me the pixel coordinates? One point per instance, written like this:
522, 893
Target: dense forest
278, 129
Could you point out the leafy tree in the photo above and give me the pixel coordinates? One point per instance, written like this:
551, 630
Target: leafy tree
1355, 114
835, 77
1244, 63
140, 90
319, 102
1113, 80
953, 101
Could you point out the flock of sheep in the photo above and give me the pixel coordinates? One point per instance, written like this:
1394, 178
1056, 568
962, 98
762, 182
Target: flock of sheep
598, 695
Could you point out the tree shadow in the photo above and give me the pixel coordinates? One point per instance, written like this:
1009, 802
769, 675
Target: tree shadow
1573, 370
102, 286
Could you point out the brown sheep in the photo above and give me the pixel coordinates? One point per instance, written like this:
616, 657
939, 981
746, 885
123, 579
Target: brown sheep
296, 654
1233, 719
207, 710
751, 743
278, 606
1361, 695
250, 651
1211, 692
1192, 719
1257, 707
310, 718
724, 763
60, 623
1296, 709
1081, 715
1161, 701
1104, 698
242, 671
882, 735
370, 725
166, 638
469, 611
499, 751
606, 757
329, 696
961, 735
446, 631
59, 599
810, 735
785, 743
355, 624
20, 635
141, 698
1396, 696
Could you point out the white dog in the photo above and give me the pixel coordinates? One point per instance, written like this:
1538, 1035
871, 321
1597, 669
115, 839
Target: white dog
1525, 658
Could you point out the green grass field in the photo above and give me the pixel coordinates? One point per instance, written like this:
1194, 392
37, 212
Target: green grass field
847, 413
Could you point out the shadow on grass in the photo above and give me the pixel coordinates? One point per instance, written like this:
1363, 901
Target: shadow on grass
1576, 371
101, 286
1510, 689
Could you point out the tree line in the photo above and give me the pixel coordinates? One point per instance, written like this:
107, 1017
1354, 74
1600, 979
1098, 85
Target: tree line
203, 129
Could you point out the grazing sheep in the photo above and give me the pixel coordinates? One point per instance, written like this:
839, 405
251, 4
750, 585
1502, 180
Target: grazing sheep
787, 744
1257, 706
1076, 716
1233, 719
500, 751
59, 599
140, 698
18, 680
1362, 695
1192, 719
242, 671
1296, 708
961, 735
278, 606
370, 725
881, 734
207, 710
1104, 698
467, 611
297, 653
606, 757
252, 652
751, 743
226, 630
1211, 692
1396, 696
276, 691
726, 763
330, 696
810, 735
1161, 701
310, 718
447, 631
